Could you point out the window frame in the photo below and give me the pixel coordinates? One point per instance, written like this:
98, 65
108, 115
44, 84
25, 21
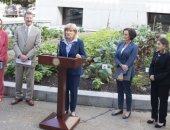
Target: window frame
67, 17
165, 23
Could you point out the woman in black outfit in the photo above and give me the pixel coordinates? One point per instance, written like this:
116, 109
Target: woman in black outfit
159, 73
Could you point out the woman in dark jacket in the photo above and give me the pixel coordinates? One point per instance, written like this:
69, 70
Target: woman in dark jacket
125, 56
159, 73
71, 46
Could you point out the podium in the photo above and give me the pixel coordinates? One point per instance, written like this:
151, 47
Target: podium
60, 120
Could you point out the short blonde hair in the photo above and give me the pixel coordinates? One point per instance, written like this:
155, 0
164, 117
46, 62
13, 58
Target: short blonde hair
71, 26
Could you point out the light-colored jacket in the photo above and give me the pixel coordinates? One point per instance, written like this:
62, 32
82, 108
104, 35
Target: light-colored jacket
27, 45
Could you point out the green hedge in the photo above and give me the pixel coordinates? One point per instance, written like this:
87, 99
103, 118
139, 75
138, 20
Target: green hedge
100, 47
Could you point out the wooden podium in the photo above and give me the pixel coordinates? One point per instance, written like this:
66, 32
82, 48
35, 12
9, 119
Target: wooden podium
59, 120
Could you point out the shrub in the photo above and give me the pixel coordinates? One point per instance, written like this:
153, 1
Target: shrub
146, 42
141, 80
100, 48
10, 44
48, 33
96, 84
48, 48
10, 68
45, 70
38, 76
97, 39
168, 36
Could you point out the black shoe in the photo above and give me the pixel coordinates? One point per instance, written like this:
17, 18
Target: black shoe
125, 116
158, 125
151, 121
117, 113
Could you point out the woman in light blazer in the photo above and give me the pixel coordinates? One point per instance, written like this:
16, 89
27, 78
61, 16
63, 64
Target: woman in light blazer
124, 58
71, 46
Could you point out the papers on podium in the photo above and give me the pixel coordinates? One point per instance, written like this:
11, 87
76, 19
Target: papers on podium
28, 62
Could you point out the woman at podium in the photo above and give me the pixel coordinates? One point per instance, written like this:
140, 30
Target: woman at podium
71, 46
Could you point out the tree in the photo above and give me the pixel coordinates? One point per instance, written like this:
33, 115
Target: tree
24, 3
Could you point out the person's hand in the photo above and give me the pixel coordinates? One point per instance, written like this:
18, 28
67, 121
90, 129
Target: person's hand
23, 58
152, 77
124, 67
120, 77
78, 56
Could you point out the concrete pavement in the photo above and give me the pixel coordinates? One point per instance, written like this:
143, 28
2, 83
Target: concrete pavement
24, 117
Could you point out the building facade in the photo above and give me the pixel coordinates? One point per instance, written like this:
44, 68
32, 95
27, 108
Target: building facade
97, 14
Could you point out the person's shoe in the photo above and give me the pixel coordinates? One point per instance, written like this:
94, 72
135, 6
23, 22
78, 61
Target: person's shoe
66, 112
151, 121
117, 112
159, 125
16, 101
30, 102
126, 115
73, 113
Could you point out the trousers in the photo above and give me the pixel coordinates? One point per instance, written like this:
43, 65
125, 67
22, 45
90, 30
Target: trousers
29, 73
71, 92
159, 102
124, 87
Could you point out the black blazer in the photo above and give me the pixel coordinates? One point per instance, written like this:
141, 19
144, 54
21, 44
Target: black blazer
160, 68
77, 48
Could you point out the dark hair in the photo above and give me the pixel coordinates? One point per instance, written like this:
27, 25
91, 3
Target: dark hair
28, 13
164, 42
132, 33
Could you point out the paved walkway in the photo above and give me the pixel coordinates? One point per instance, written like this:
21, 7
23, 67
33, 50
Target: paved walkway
24, 117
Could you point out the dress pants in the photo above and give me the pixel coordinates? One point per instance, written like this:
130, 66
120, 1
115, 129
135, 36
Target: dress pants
72, 88
159, 102
2, 80
29, 73
124, 87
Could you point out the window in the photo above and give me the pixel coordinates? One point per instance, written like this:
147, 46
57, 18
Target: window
155, 18
73, 15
